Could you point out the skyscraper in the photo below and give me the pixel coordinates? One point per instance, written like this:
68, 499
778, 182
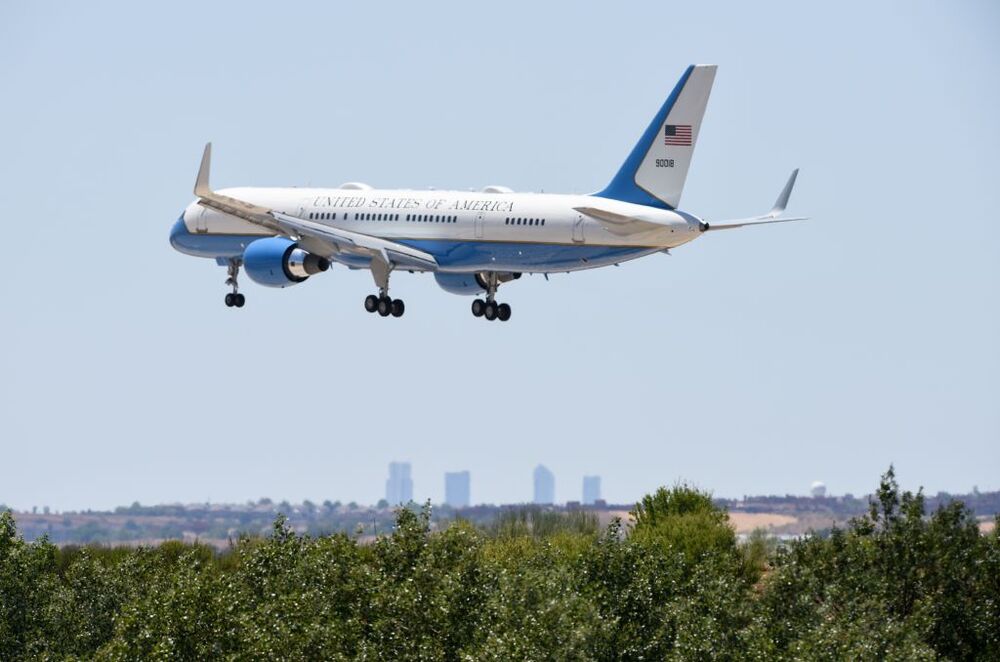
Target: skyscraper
591, 489
545, 485
399, 487
456, 489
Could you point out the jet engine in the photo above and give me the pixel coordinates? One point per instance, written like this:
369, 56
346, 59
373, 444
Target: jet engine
279, 262
469, 284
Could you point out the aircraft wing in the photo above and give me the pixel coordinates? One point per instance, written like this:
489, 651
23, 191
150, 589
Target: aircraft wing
773, 216
316, 238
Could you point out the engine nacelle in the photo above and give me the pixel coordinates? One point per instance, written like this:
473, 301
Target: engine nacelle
279, 262
465, 284
469, 284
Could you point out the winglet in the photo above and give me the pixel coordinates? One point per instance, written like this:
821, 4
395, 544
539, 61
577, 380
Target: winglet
201, 187
782, 201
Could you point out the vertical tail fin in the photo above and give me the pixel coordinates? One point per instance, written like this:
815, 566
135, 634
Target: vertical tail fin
655, 171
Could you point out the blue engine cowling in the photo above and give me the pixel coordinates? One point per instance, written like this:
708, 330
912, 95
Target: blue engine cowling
467, 284
470, 284
279, 262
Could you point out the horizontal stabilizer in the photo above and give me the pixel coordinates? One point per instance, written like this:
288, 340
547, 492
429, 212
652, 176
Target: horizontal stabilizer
619, 224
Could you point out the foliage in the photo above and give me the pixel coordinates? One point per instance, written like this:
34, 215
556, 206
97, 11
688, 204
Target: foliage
540, 523
684, 520
675, 585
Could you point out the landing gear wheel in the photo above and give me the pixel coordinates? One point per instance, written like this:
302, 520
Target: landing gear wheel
478, 307
234, 298
503, 312
398, 308
371, 303
384, 306
490, 311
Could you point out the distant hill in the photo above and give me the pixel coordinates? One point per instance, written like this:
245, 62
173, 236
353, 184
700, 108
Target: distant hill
220, 524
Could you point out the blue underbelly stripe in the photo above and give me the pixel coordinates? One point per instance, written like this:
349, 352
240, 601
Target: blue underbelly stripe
451, 254
456, 255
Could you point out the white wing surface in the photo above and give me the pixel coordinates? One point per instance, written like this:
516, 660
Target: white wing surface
314, 237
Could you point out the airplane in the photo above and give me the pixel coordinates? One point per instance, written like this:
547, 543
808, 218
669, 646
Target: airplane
472, 242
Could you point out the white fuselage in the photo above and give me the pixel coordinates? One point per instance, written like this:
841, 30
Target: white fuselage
494, 229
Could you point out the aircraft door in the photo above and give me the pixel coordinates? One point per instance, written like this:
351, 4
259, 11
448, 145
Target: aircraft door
578, 229
201, 219
479, 226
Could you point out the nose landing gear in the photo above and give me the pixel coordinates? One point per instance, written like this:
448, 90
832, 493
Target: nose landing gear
234, 298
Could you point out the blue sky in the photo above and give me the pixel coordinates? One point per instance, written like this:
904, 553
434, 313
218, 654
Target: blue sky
749, 362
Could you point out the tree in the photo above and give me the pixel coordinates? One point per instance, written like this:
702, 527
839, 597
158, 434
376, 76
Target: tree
685, 520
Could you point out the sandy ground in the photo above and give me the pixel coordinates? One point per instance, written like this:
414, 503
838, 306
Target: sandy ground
742, 522
747, 522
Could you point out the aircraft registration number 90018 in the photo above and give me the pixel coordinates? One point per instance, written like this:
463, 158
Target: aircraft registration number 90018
664, 163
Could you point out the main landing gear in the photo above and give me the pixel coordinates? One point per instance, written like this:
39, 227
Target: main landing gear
234, 298
384, 305
489, 308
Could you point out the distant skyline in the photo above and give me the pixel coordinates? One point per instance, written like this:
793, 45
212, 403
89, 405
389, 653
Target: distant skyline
591, 490
544, 485
457, 489
749, 362
399, 485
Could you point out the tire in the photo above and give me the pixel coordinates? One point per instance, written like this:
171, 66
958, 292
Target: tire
385, 306
398, 308
503, 312
371, 303
490, 311
477, 307
230, 300
239, 300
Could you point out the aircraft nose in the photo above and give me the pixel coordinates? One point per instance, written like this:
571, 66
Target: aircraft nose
178, 233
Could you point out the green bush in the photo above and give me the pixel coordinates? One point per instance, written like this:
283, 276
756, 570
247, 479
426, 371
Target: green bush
895, 584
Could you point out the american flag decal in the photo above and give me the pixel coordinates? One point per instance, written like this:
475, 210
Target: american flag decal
677, 134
